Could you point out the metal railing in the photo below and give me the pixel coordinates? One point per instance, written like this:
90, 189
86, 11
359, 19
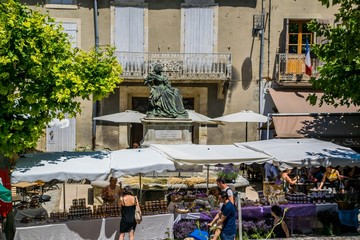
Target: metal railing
291, 67
181, 66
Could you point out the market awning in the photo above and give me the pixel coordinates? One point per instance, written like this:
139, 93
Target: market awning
305, 152
61, 166
5, 194
210, 154
300, 119
139, 160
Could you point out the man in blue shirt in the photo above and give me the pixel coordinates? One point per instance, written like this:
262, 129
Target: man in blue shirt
271, 172
228, 218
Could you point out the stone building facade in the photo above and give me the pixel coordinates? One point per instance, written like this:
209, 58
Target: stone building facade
223, 56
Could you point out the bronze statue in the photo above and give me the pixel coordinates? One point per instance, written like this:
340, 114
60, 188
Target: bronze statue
165, 101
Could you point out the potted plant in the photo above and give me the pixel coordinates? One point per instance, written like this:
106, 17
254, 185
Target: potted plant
228, 172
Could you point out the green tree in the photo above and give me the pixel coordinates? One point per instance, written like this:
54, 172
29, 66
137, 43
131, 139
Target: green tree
42, 77
340, 52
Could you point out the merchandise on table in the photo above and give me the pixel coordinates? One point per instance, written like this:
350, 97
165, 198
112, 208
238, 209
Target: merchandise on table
154, 207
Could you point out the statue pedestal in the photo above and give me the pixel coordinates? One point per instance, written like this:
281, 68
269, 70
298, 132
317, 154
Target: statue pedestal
166, 131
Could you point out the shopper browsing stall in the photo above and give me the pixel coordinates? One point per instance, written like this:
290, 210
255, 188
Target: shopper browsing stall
220, 181
228, 218
128, 205
280, 229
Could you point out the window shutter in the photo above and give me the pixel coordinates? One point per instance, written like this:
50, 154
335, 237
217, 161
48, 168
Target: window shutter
71, 30
61, 139
286, 30
129, 29
199, 29
321, 39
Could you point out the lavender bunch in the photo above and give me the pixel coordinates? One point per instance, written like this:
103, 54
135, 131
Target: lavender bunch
229, 172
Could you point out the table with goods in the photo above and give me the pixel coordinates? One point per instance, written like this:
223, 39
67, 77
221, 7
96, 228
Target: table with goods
96, 222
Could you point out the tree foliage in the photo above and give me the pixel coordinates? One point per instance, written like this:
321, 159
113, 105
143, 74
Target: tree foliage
42, 77
340, 52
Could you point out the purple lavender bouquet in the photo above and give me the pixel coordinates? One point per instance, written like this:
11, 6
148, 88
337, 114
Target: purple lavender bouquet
256, 230
229, 172
183, 228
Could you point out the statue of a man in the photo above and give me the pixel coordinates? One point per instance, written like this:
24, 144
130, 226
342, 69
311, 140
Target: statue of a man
165, 101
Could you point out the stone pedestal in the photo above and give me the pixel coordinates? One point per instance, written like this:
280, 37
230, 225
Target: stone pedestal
166, 131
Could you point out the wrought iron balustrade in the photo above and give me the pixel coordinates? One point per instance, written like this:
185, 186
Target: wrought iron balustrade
291, 68
177, 66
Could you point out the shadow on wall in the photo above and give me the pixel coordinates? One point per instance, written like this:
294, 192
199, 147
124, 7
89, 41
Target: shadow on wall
246, 73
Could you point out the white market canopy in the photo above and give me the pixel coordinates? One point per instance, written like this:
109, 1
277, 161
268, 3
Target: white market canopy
61, 166
211, 154
305, 152
128, 116
138, 160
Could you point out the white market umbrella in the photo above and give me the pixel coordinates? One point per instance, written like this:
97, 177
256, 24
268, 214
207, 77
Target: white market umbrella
128, 116
61, 166
242, 116
199, 118
305, 152
210, 154
138, 160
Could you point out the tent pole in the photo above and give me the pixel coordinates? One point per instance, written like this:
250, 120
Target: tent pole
207, 177
64, 196
246, 132
239, 215
140, 187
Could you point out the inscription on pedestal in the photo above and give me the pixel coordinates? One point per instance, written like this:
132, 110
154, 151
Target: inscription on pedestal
168, 134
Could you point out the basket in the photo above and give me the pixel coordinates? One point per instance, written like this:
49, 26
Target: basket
176, 198
182, 211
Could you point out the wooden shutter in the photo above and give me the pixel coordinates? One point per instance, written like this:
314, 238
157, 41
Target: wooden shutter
71, 30
129, 28
61, 139
199, 29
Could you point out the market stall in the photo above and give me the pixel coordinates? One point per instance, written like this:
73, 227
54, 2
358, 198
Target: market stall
94, 229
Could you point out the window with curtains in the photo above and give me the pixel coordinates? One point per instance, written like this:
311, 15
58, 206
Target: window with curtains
297, 33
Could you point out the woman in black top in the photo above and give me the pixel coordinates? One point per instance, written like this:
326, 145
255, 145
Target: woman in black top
280, 228
128, 206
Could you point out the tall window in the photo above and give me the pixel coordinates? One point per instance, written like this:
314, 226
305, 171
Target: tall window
298, 32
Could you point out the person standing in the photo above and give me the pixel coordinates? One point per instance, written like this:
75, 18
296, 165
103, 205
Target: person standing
226, 219
112, 192
271, 171
220, 181
128, 203
280, 228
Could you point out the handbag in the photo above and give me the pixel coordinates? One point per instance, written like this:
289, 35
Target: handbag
138, 216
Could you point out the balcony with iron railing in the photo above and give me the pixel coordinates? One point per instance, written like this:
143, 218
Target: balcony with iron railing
177, 66
290, 69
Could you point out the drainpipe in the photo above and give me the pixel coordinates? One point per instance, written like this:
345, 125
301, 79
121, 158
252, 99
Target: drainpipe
261, 59
94, 108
